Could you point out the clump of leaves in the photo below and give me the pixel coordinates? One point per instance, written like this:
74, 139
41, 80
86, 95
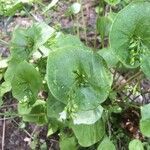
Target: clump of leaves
78, 82
10, 7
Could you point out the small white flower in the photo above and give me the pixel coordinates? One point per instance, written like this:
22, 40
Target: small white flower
63, 115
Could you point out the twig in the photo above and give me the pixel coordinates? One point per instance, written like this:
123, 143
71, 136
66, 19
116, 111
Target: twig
95, 39
84, 23
3, 136
6, 118
127, 96
77, 21
4, 42
35, 129
9, 114
24, 130
140, 95
135, 106
5, 106
129, 80
30, 15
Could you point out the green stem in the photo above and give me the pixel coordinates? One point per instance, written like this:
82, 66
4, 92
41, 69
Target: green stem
77, 21
74, 30
84, 23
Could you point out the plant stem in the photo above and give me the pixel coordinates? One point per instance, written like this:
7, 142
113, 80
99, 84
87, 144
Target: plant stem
77, 21
74, 30
96, 25
84, 23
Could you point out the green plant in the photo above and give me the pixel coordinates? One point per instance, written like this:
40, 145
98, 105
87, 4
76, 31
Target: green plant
10, 7
82, 103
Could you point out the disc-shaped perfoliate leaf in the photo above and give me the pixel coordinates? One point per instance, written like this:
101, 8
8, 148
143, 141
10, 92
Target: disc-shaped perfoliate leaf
25, 41
130, 33
78, 76
88, 135
26, 82
106, 144
88, 117
136, 145
21, 45
145, 120
40, 32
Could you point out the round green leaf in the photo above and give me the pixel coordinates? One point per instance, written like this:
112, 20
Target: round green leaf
26, 82
130, 33
25, 41
88, 135
136, 145
79, 77
40, 33
88, 117
145, 65
75, 8
145, 127
145, 112
21, 44
145, 120
106, 144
